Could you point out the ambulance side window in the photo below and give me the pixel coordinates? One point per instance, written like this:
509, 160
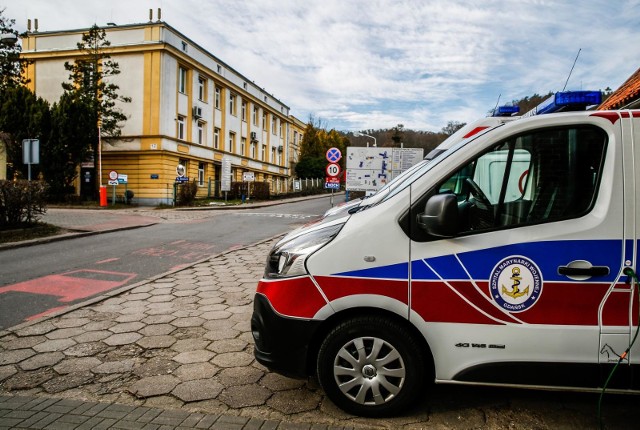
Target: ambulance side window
543, 176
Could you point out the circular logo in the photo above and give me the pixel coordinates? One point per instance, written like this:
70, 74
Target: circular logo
515, 284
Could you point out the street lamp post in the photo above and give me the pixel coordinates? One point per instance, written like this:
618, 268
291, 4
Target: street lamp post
358, 134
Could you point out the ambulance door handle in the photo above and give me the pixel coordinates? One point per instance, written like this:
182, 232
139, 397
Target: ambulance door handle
584, 271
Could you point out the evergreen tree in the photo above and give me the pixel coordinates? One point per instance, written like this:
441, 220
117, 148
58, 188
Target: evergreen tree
398, 133
11, 65
90, 86
66, 147
22, 116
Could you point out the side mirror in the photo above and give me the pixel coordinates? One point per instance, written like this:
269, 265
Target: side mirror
440, 217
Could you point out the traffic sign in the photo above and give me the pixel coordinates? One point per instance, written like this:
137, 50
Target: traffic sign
332, 169
332, 182
333, 155
113, 182
113, 175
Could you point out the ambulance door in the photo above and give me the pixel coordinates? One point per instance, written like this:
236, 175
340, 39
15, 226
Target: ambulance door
619, 310
512, 254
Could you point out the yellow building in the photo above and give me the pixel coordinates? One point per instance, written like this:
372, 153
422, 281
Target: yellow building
297, 133
188, 108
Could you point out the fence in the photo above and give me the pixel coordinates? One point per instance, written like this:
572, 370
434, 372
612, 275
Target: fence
212, 188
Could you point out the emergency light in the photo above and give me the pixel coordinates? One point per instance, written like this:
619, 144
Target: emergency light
567, 101
506, 110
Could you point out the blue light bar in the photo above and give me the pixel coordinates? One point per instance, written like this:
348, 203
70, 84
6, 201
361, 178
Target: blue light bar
567, 101
506, 111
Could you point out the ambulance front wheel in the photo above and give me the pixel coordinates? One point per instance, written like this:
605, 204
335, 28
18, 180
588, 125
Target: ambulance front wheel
371, 366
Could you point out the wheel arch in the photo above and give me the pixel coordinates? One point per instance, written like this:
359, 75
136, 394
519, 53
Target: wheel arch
347, 314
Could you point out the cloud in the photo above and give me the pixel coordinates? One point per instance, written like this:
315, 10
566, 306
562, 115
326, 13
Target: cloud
373, 64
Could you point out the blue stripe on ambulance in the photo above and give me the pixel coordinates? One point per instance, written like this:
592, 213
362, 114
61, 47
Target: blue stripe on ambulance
479, 264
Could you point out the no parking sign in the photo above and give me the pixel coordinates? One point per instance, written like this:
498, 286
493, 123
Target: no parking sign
333, 155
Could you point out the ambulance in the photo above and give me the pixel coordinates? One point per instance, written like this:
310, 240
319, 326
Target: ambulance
507, 260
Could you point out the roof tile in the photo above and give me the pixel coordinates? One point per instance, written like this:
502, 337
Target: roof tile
627, 92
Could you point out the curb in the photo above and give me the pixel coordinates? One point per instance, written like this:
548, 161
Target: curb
65, 236
257, 205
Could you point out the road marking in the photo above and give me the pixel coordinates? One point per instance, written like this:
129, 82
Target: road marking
279, 215
71, 286
108, 260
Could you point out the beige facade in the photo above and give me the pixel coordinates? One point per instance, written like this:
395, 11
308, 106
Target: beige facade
297, 130
188, 107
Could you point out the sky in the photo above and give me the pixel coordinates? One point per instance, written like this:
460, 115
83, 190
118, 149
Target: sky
357, 65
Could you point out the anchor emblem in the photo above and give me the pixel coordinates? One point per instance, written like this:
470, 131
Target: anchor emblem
515, 288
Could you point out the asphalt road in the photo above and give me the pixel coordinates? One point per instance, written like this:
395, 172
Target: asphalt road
42, 278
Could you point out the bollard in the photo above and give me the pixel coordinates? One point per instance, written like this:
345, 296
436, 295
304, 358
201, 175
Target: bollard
103, 195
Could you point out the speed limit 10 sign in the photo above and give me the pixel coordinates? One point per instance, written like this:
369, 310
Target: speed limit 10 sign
333, 169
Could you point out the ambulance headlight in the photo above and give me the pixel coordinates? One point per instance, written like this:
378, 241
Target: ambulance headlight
287, 258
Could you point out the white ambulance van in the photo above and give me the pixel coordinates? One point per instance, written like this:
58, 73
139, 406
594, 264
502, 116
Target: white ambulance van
509, 259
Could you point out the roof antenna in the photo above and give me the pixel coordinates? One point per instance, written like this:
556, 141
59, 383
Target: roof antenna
571, 71
497, 103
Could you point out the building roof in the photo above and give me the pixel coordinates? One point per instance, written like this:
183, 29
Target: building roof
625, 95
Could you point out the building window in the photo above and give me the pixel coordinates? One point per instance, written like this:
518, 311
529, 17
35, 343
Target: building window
232, 142
244, 110
263, 152
295, 137
255, 115
202, 89
182, 80
181, 129
281, 128
243, 145
185, 163
244, 85
216, 138
253, 150
217, 101
232, 104
273, 155
201, 128
201, 174
219, 68
264, 120
273, 124
185, 47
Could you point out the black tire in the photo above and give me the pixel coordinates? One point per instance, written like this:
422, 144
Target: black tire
398, 383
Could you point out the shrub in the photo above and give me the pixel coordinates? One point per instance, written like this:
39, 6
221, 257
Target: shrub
187, 193
258, 190
21, 202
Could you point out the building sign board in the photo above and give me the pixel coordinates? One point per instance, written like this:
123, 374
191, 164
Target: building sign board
369, 169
